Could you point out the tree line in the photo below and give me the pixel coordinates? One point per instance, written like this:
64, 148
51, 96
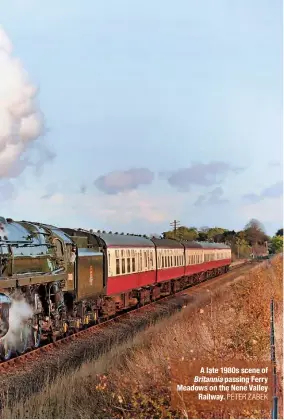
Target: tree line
252, 239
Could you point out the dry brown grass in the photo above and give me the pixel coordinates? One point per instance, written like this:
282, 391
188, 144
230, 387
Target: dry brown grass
133, 379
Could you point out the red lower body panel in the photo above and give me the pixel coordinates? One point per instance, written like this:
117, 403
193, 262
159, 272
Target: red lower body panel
197, 268
126, 282
165, 274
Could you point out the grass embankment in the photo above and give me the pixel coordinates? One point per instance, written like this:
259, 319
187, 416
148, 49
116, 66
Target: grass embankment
133, 380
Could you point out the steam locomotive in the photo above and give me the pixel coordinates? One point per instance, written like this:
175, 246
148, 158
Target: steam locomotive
72, 278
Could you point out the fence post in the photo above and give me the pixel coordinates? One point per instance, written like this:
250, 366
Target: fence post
274, 413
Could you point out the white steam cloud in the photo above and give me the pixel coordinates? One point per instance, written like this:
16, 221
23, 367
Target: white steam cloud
20, 313
20, 120
3, 232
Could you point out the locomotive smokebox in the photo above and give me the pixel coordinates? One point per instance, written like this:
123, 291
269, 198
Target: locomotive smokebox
5, 303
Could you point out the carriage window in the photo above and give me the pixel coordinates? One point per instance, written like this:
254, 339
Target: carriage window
163, 263
166, 261
169, 261
117, 266
133, 264
123, 265
128, 265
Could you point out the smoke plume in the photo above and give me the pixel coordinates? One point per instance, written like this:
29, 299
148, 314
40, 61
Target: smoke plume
19, 314
20, 121
3, 232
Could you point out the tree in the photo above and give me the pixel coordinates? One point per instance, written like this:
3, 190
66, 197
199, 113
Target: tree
215, 234
202, 236
276, 244
255, 233
182, 233
279, 232
229, 236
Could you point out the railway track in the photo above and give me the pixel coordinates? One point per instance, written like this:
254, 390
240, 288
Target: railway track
26, 359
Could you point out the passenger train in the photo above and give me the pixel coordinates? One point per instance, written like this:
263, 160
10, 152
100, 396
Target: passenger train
72, 278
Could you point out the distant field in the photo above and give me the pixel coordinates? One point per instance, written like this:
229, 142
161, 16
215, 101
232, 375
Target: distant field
133, 380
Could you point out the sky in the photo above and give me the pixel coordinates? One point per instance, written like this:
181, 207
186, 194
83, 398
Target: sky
144, 112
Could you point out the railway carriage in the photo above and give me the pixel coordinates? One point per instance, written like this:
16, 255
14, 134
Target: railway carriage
193, 259
131, 262
170, 265
216, 257
128, 269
